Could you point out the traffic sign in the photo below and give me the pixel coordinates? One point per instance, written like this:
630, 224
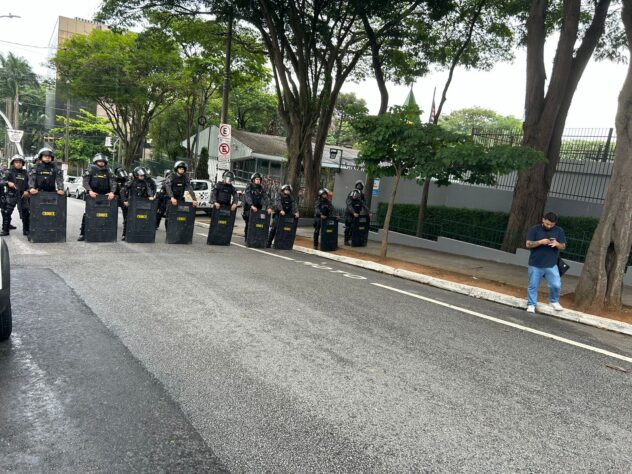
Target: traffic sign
224, 148
224, 131
15, 136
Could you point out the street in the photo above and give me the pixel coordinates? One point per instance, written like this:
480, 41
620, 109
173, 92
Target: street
170, 358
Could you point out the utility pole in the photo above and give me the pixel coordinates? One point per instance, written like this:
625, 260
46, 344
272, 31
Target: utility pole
226, 91
66, 137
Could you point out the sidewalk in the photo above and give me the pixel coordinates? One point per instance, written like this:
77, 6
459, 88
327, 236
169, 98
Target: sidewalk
499, 282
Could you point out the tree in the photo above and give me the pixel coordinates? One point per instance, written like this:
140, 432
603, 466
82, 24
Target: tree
201, 42
465, 120
348, 109
131, 76
16, 77
254, 108
601, 282
548, 99
201, 172
392, 144
86, 135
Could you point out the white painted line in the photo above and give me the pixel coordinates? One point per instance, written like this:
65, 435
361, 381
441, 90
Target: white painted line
263, 251
510, 324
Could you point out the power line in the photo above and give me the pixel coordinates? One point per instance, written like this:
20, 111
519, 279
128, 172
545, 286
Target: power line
26, 45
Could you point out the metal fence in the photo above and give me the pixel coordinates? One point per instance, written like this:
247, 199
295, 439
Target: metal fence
585, 165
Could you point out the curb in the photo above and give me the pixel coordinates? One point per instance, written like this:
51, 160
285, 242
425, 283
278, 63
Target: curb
472, 291
475, 292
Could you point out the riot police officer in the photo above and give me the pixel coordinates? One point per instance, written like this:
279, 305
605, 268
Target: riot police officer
355, 207
138, 187
45, 176
285, 204
17, 194
255, 199
161, 197
322, 210
99, 179
121, 177
177, 183
359, 186
224, 193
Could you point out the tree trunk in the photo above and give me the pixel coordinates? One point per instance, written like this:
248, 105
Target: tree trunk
601, 282
376, 62
423, 208
389, 213
545, 115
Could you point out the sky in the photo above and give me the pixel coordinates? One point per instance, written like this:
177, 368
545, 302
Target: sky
501, 89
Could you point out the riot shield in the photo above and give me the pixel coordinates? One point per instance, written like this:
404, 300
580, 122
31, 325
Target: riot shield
285, 232
222, 224
101, 219
180, 223
360, 231
141, 221
258, 227
48, 218
329, 234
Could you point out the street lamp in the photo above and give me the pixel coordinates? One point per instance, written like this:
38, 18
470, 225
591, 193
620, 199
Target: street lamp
333, 154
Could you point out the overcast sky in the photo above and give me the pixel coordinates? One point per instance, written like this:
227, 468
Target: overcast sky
501, 89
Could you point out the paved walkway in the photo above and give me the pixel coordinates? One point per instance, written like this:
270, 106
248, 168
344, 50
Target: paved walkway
472, 267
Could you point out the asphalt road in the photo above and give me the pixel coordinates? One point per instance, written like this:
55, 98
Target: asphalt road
165, 358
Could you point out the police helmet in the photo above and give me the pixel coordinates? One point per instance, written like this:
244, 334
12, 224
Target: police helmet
45, 151
99, 157
17, 158
166, 173
180, 164
360, 183
228, 176
120, 173
255, 176
323, 191
286, 186
139, 171
355, 194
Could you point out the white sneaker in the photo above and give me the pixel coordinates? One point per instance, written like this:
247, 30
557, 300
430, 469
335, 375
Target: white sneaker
557, 306
530, 309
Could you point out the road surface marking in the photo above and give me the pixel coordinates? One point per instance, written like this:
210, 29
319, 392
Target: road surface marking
510, 324
263, 251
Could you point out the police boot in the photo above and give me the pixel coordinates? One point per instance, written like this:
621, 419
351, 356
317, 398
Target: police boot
5, 228
26, 226
12, 227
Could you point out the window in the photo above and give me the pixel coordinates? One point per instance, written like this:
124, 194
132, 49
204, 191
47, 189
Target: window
199, 186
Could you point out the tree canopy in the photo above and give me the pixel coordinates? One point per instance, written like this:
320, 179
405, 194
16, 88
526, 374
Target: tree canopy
130, 75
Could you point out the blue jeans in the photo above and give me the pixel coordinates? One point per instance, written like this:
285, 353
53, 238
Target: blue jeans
553, 280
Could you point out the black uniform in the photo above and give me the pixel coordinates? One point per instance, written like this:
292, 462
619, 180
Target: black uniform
14, 196
286, 203
323, 207
46, 177
120, 184
161, 203
175, 187
356, 206
225, 194
136, 188
100, 181
254, 195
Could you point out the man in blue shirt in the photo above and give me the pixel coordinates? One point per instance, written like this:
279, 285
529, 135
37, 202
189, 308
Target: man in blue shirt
545, 241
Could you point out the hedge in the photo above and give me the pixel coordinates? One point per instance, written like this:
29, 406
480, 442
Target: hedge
486, 228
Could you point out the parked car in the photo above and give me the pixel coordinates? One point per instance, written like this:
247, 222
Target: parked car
71, 183
81, 191
202, 189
